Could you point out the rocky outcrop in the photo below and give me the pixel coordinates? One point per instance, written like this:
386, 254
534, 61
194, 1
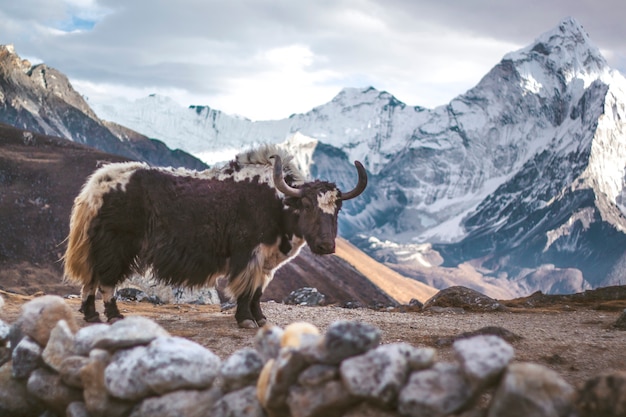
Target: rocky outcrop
135, 368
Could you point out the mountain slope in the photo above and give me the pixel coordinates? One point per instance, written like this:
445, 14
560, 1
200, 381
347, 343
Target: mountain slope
41, 99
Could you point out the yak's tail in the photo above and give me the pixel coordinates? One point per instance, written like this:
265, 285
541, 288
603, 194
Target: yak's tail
77, 259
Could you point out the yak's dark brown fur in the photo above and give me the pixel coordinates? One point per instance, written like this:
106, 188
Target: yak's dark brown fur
189, 228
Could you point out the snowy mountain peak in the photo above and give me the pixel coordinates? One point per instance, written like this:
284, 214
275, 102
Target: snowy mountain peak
566, 48
367, 95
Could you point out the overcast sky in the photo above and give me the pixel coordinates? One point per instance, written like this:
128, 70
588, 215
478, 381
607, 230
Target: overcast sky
267, 59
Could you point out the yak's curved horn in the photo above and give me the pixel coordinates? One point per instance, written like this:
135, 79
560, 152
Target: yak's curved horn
360, 186
279, 180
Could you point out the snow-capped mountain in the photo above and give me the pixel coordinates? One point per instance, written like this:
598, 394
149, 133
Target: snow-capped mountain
41, 99
523, 175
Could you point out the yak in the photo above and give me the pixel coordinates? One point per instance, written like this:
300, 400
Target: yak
241, 221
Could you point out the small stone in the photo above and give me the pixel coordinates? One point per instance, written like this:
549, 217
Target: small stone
187, 403
241, 403
378, 375
15, 401
176, 363
370, 410
240, 369
434, 392
278, 376
5, 329
267, 341
70, 370
26, 358
5, 355
603, 395
39, 316
298, 334
344, 339
60, 345
129, 332
318, 374
326, 400
166, 364
531, 390
47, 387
97, 401
459, 297
86, 338
77, 409
483, 358
305, 296
122, 377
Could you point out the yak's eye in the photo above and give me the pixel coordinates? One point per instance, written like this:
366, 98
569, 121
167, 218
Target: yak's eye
306, 204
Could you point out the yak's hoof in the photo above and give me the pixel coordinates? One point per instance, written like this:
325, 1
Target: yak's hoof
94, 318
115, 319
261, 322
248, 324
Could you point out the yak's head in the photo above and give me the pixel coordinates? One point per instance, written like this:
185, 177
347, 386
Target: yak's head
317, 204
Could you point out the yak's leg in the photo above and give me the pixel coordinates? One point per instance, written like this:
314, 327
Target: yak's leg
110, 306
88, 305
243, 315
255, 308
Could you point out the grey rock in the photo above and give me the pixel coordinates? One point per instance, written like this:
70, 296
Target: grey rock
187, 403
60, 345
165, 365
70, 370
603, 395
282, 376
86, 338
326, 400
483, 358
344, 339
532, 390
459, 297
240, 369
26, 358
123, 378
39, 316
97, 400
267, 341
305, 296
378, 375
434, 392
77, 409
318, 374
370, 410
5, 329
15, 401
5, 355
48, 387
241, 403
129, 332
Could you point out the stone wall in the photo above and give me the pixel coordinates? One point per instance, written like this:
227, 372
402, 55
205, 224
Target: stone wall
135, 368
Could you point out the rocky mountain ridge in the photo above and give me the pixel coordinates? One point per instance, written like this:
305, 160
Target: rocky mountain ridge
42, 100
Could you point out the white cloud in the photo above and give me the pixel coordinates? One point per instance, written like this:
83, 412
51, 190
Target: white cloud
270, 58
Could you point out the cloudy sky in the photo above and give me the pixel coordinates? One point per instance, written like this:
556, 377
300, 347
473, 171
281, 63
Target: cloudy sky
267, 59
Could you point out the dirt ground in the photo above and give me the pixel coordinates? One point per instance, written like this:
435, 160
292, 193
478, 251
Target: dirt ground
578, 342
